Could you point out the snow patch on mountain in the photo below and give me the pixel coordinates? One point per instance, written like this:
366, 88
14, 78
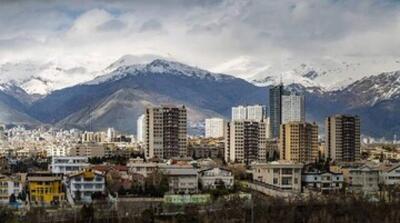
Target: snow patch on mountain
377, 88
158, 66
328, 73
129, 60
42, 78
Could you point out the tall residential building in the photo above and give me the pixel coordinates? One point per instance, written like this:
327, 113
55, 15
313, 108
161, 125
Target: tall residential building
298, 142
239, 113
245, 141
214, 127
110, 134
256, 112
140, 123
250, 112
275, 109
165, 132
343, 138
293, 108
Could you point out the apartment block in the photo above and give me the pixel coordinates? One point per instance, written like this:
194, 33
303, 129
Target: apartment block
245, 142
298, 142
343, 138
166, 132
293, 108
214, 127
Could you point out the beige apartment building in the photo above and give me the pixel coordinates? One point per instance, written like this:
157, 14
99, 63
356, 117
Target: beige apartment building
88, 150
165, 132
245, 141
342, 138
279, 175
298, 142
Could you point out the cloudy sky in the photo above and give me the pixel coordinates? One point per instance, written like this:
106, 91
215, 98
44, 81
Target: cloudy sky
243, 37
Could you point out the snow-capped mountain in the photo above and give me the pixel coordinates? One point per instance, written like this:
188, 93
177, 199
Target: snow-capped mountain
118, 98
326, 73
129, 60
158, 66
118, 93
42, 78
375, 89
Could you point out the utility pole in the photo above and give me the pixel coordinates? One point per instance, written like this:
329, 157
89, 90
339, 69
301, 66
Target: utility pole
252, 210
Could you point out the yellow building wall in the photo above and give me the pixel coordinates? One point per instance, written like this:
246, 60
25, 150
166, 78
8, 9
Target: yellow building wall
45, 191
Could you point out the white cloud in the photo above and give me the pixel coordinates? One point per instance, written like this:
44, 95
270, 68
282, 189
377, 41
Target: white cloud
247, 38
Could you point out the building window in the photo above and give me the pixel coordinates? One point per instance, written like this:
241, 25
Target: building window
287, 171
286, 181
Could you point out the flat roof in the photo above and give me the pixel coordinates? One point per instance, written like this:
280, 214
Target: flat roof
44, 178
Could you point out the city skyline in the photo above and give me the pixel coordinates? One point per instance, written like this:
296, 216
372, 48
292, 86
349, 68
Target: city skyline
199, 111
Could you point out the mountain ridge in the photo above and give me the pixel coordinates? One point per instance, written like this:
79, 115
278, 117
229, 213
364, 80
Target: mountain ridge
117, 101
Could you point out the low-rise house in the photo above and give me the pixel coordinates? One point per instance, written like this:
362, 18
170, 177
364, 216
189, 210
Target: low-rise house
364, 179
45, 188
390, 175
105, 168
68, 164
324, 182
215, 177
9, 185
278, 175
84, 184
181, 179
138, 166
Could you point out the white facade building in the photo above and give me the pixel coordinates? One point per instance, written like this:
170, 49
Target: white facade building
256, 112
279, 175
110, 134
293, 108
57, 150
391, 175
9, 185
214, 177
140, 128
324, 182
83, 184
251, 112
181, 179
239, 113
214, 127
68, 164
